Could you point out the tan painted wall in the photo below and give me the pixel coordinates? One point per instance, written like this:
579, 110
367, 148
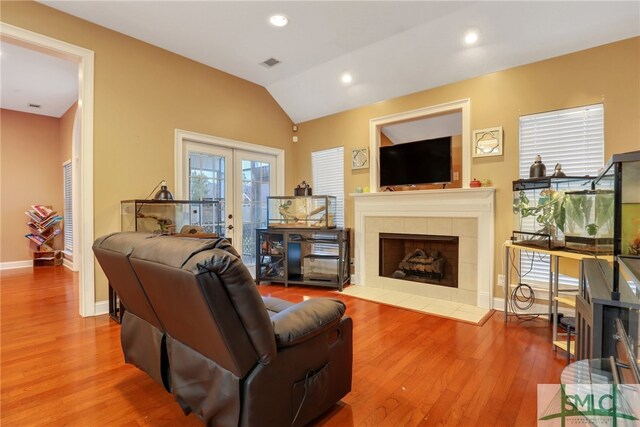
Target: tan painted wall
66, 133
609, 73
30, 174
142, 94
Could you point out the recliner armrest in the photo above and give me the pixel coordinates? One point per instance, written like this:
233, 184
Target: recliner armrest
307, 319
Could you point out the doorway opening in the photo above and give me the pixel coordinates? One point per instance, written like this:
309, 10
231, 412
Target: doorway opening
82, 154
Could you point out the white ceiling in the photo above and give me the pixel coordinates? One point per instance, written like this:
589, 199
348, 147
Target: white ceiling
31, 77
391, 48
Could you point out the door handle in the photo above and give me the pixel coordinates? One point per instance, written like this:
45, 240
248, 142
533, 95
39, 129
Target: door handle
230, 227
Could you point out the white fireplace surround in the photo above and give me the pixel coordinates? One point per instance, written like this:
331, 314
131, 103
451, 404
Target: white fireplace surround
398, 207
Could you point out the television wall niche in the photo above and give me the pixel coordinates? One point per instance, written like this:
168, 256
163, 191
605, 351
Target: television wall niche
456, 166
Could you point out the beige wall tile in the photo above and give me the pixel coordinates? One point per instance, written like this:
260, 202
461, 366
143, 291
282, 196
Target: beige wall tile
467, 227
440, 226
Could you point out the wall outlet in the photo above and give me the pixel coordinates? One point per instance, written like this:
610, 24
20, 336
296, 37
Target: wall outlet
456, 176
501, 280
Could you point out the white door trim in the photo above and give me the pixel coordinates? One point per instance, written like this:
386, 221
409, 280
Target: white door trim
183, 136
85, 60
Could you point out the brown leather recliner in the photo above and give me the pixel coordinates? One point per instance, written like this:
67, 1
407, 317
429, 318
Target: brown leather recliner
227, 354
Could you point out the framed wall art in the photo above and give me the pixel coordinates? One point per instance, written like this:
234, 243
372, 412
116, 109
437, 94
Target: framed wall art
487, 142
359, 158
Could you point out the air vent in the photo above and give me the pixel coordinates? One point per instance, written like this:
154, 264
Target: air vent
34, 105
270, 62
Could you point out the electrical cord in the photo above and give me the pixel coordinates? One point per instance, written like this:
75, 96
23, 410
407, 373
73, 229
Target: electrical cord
142, 204
522, 297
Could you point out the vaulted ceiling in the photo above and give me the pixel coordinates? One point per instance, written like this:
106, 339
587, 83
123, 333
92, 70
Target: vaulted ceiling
391, 48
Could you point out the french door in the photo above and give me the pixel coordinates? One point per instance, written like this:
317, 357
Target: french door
241, 181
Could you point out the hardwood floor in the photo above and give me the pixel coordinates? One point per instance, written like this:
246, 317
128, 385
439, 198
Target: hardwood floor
410, 369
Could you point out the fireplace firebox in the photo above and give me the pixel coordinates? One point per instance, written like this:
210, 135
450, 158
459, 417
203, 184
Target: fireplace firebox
420, 258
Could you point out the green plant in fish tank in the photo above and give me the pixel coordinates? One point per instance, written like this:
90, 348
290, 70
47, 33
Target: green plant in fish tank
585, 214
549, 212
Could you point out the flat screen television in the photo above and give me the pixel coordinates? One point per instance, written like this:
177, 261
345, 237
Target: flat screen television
419, 162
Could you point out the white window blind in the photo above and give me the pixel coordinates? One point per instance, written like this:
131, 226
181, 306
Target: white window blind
328, 177
68, 205
327, 168
574, 138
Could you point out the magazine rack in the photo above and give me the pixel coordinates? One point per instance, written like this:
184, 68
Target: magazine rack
43, 227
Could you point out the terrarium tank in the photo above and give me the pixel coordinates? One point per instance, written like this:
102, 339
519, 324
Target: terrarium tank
301, 211
589, 221
539, 210
622, 174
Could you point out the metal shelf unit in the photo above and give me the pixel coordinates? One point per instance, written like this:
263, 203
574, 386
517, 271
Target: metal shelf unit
303, 256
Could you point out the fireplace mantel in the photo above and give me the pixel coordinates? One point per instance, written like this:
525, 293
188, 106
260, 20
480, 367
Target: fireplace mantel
400, 210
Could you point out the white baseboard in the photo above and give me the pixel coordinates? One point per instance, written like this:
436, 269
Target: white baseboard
67, 263
16, 264
498, 304
101, 307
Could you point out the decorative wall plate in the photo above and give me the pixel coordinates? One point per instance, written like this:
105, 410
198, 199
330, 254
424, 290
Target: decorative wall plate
487, 142
359, 158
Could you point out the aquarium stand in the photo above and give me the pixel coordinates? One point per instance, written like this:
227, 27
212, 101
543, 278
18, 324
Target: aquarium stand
303, 256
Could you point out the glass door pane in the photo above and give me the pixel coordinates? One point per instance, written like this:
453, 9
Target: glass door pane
209, 178
256, 184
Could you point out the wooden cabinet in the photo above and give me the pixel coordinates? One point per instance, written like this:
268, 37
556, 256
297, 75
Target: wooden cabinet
303, 256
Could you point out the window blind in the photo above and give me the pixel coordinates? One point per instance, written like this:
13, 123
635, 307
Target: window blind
68, 207
328, 177
327, 168
574, 138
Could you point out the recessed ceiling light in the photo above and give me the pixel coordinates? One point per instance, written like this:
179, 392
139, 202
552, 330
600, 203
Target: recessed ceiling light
471, 37
346, 78
279, 20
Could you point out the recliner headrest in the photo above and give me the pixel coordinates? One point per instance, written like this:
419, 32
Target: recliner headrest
176, 251
121, 242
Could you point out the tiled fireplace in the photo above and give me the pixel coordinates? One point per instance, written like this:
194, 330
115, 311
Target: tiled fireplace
465, 215
423, 258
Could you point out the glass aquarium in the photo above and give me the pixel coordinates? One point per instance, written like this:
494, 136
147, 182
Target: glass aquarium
539, 210
301, 211
189, 218
589, 221
622, 175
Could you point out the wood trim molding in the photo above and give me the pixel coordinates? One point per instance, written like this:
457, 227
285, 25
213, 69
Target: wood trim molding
10, 265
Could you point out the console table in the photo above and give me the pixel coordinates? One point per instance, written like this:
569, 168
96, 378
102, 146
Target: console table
554, 289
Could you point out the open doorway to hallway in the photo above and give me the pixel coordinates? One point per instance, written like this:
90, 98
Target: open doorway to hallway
34, 173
